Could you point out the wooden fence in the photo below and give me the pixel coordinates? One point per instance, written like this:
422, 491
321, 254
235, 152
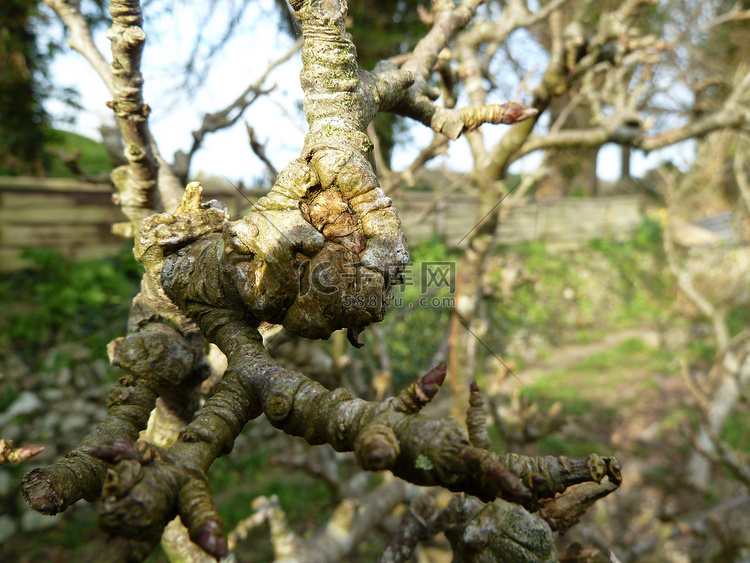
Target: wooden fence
76, 218
568, 221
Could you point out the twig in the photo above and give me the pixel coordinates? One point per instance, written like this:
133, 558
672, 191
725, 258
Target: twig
229, 115
72, 161
80, 38
9, 454
419, 523
319, 463
733, 15
260, 151
137, 183
124, 82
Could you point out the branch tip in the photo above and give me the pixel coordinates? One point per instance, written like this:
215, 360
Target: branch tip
211, 539
515, 113
476, 422
9, 454
352, 336
40, 494
605, 466
115, 451
434, 378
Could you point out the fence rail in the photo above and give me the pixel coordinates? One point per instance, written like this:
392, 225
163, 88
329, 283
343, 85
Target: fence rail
76, 218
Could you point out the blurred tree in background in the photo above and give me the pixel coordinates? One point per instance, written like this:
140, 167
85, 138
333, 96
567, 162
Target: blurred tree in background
640, 74
27, 48
23, 120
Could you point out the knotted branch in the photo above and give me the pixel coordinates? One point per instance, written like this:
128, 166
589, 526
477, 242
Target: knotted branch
137, 181
162, 350
320, 252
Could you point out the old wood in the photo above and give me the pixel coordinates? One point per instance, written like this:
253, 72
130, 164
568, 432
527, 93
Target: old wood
76, 218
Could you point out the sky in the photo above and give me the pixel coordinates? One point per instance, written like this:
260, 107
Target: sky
276, 118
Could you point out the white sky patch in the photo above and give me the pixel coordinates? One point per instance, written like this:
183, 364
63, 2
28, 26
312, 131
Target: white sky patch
174, 116
277, 117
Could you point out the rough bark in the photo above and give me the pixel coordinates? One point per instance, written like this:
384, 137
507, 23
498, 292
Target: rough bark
320, 252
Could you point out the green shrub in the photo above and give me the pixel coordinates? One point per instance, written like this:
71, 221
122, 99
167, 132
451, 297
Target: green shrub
59, 300
94, 158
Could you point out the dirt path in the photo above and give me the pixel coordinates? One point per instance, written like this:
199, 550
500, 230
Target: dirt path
569, 356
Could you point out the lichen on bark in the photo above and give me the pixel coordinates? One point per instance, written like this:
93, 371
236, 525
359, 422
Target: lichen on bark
326, 233
136, 182
321, 252
162, 350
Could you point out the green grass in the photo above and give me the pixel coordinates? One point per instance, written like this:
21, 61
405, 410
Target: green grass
738, 320
615, 285
702, 350
306, 501
94, 158
630, 353
8, 394
596, 392
573, 446
74, 537
597, 377
237, 479
736, 431
628, 271
59, 300
678, 417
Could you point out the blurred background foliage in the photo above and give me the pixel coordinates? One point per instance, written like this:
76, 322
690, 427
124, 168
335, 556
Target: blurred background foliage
559, 301
27, 48
59, 300
550, 315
